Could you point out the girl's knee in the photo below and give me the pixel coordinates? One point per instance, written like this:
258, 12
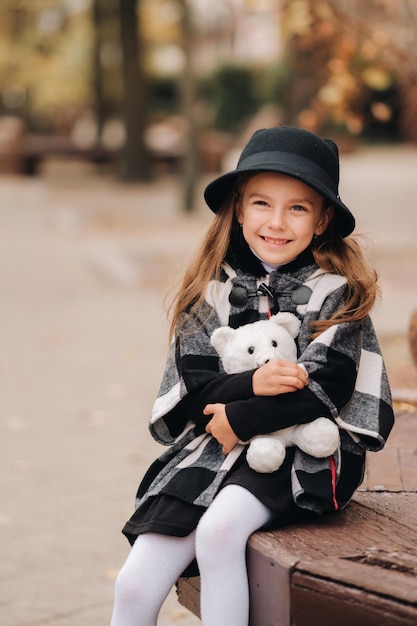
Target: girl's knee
216, 537
214, 529
126, 588
133, 602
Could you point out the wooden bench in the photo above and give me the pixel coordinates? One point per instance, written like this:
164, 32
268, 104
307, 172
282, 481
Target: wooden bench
358, 567
37, 148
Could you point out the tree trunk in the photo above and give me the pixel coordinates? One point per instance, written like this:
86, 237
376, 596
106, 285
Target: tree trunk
136, 160
97, 70
190, 165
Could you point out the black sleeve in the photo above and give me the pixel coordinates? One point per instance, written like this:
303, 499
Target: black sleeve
222, 388
264, 414
261, 415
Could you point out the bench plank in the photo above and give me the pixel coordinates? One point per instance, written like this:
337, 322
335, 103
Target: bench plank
188, 593
322, 602
395, 467
368, 573
396, 506
347, 533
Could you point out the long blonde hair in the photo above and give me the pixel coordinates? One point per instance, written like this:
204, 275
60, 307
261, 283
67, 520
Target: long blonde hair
331, 251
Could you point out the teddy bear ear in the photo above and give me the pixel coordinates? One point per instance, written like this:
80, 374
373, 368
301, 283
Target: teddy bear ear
220, 337
290, 322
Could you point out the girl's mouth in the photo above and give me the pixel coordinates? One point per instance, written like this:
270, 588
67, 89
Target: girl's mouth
275, 242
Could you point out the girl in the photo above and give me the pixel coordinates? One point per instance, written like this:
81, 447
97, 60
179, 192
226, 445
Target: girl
279, 241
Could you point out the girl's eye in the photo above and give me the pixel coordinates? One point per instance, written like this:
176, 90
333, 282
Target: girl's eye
274, 343
251, 349
298, 207
261, 203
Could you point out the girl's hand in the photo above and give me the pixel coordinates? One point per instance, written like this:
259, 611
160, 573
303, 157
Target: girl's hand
278, 376
219, 427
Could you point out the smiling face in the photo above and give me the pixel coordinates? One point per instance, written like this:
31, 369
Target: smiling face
280, 216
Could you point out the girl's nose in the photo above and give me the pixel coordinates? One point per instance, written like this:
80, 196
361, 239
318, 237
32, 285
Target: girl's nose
277, 220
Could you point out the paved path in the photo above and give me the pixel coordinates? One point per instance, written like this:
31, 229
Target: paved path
84, 265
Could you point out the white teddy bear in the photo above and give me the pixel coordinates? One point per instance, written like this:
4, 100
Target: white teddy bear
251, 346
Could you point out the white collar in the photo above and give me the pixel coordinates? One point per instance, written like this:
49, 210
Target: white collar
268, 268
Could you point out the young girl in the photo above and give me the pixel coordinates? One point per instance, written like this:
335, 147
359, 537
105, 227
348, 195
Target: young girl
279, 241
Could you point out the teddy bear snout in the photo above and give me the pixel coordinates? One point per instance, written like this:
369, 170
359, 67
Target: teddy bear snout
265, 358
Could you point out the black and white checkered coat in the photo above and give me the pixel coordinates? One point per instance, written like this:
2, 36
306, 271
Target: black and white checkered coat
347, 382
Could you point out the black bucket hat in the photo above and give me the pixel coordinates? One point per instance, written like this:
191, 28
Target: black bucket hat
295, 152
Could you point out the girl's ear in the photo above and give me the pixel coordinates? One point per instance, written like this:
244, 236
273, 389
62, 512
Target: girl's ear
325, 217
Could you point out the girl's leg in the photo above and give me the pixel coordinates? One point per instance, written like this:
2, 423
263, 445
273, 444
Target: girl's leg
221, 539
152, 567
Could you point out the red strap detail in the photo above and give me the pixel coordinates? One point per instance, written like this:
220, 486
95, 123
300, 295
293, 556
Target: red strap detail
333, 472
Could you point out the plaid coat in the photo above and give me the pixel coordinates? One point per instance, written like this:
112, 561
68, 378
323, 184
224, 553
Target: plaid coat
347, 383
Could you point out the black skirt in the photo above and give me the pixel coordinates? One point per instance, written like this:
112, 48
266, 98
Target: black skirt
168, 515
172, 516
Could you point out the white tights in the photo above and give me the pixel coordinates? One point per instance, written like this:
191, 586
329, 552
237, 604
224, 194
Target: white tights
219, 544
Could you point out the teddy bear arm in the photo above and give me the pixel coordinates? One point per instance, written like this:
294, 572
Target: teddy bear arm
319, 438
265, 453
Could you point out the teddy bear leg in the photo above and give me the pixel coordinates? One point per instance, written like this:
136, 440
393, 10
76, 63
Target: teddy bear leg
265, 454
319, 438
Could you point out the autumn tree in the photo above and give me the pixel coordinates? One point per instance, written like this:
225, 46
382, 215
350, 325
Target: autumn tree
352, 64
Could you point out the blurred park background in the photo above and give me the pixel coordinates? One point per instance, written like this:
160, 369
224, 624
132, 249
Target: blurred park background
139, 83
114, 114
